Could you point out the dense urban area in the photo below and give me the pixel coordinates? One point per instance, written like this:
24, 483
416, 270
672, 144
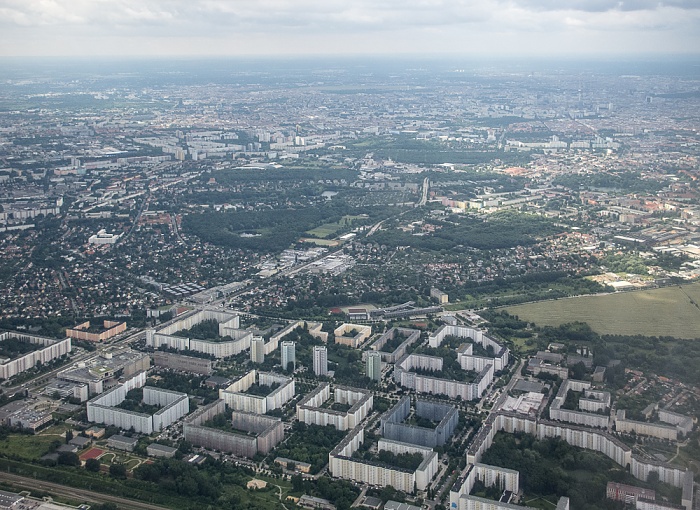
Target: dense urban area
376, 284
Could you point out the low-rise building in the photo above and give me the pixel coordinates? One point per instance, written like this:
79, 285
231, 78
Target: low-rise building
119, 442
160, 450
85, 331
352, 335
103, 370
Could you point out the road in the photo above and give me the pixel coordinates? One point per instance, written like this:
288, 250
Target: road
82, 495
424, 195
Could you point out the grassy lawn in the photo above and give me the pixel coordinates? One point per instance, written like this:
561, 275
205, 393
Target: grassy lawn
319, 242
108, 458
325, 230
328, 229
131, 464
27, 446
540, 503
669, 311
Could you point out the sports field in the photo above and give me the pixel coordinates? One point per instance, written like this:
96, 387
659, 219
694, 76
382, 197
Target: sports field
669, 311
92, 453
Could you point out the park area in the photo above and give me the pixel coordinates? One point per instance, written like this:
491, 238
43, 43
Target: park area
668, 311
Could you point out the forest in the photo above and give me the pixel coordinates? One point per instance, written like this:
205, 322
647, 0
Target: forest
270, 231
501, 230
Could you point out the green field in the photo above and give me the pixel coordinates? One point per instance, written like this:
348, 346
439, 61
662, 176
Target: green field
328, 229
668, 311
319, 242
27, 446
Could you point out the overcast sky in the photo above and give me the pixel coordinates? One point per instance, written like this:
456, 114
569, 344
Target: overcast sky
307, 27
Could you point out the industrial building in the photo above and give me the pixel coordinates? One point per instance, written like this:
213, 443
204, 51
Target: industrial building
49, 350
393, 426
102, 371
263, 432
311, 408
235, 397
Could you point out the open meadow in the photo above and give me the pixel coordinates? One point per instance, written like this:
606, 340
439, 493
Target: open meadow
668, 311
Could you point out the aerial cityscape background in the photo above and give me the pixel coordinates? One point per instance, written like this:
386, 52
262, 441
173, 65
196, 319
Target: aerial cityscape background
392, 256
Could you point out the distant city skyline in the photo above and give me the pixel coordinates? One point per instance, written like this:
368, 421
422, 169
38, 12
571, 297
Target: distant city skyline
314, 27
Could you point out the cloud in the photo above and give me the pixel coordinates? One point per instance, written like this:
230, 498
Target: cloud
253, 26
606, 5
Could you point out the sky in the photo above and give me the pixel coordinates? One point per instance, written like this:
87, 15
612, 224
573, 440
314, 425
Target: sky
480, 28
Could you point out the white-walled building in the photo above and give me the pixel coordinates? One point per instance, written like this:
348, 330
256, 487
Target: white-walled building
235, 397
50, 350
320, 356
341, 464
173, 405
310, 409
288, 355
257, 349
228, 327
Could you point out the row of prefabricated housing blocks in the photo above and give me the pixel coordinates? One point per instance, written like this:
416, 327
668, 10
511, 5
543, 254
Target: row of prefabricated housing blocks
229, 326
103, 408
260, 433
485, 367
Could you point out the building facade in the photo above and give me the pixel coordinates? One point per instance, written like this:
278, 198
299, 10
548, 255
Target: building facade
320, 355
373, 366
235, 397
311, 408
50, 350
288, 355
392, 426
182, 363
263, 433
173, 405
257, 349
